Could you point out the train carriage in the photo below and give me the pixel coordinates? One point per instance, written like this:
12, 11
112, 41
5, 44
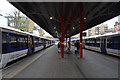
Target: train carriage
15, 44
108, 43
38, 43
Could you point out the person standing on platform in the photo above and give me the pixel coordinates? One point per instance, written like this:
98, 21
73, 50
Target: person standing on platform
68, 48
59, 48
77, 45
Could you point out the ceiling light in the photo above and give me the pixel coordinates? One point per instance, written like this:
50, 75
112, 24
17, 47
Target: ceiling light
84, 17
54, 27
51, 17
73, 27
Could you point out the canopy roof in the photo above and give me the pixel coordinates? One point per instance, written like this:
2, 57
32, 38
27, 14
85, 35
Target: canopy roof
93, 12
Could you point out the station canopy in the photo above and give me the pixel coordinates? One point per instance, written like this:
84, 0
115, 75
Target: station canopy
94, 13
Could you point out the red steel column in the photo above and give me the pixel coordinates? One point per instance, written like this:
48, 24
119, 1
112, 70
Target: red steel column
81, 51
81, 26
62, 36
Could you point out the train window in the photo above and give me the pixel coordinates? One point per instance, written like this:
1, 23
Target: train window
110, 42
97, 42
45, 42
36, 42
87, 42
23, 42
117, 42
26, 42
40, 42
48, 42
92, 42
14, 42
103, 42
4, 43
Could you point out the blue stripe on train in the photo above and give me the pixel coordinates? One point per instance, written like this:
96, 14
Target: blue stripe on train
116, 48
15, 50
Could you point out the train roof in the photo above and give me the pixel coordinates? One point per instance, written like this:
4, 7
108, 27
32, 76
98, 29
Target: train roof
107, 34
47, 38
75, 39
13, 29
17, 30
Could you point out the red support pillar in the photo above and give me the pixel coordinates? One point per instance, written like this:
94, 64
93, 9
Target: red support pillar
62, 36
81, 26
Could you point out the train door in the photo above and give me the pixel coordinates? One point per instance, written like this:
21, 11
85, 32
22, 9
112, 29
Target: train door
103, 45
31, 44
0, 48
44, 43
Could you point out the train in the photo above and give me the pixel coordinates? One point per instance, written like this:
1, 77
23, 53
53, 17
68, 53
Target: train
108, 43
15, 44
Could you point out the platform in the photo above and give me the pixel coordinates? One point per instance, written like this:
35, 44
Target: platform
48, 64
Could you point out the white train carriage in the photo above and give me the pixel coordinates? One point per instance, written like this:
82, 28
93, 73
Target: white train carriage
14, 44
108, 43
38, 43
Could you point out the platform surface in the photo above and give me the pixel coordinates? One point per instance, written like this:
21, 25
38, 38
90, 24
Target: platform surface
50, 65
